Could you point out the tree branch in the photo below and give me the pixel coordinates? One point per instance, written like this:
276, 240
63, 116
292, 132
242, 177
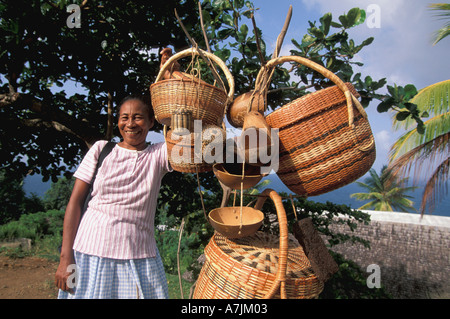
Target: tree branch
54, 118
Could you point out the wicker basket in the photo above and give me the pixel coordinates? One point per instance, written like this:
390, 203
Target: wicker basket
187, 157
258, 266
325, 138
206, 102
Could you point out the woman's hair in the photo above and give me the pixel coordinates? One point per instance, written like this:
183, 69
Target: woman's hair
144, 99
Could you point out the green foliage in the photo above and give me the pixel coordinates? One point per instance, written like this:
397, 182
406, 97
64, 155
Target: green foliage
323, 216
59, 193
40, 57
14, 201
350, 283
399, 98
167, 238
34, 226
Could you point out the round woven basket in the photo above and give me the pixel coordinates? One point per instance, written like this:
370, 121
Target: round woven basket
260, 266
206, 102
325, 137
187, 152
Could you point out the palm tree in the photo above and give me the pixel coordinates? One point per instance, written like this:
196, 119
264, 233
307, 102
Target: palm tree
385, 193
443, 10
430, 150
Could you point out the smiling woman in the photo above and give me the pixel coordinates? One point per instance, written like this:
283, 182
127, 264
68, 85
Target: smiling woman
136, 118
113, 244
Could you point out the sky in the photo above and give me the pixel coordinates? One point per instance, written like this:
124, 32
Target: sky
402, 50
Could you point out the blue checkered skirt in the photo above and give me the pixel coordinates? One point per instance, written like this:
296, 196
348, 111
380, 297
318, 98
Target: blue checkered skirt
104, 278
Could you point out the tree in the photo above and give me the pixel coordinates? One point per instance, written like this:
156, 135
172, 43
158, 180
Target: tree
426, 146
430, 150
59, 193
46, 128
14, 201
385, 193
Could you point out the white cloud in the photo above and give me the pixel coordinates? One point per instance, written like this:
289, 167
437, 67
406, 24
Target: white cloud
383, 140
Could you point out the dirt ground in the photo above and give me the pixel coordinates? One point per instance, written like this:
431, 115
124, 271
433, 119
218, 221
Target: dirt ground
27, 278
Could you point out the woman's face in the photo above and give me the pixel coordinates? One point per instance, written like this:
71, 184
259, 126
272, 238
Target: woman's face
134, 124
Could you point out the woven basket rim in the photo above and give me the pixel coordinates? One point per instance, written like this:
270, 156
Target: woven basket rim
162, 82
313, 112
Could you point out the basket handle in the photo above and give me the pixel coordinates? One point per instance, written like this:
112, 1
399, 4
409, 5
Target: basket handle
282, 258
351, 99
197, 51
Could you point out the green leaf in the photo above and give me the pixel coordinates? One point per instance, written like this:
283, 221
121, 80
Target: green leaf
227, 19
420, 128
353, 16
336, 25
362, 18
223, 54
410, 91
326, 22
401, 116
384, 106
344, 20
316, 32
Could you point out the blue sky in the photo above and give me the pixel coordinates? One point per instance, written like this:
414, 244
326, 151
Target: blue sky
402, 51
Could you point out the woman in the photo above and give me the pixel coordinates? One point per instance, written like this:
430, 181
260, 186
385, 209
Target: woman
113, 246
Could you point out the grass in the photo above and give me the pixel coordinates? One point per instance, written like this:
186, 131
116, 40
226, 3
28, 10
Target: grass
174, 287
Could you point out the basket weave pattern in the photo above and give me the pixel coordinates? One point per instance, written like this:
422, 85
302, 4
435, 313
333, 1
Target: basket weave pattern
206, 102
246, 268
319, 150
183, 148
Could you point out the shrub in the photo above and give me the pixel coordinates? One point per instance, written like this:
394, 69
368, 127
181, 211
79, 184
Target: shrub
34, 226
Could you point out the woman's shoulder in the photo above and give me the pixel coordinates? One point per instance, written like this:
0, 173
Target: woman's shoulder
99, 144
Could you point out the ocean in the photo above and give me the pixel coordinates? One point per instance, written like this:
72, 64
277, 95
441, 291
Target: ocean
339, 196
342, 196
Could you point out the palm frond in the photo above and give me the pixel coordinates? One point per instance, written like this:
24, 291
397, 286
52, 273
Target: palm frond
363, 185
419, 157
369, 205
434, 127
443, 12
435, 186
441, 34
363, 196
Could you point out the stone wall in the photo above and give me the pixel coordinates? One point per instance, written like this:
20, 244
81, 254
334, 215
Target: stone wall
412, 253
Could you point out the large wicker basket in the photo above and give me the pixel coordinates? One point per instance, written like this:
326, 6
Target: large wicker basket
206, 102
260, 266
325, 138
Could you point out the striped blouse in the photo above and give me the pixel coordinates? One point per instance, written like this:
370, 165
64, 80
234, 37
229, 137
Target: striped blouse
119, 221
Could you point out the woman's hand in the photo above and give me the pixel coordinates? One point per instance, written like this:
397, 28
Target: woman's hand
72, 218
64, 273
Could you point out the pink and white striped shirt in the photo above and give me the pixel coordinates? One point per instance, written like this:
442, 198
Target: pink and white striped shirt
119, 222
